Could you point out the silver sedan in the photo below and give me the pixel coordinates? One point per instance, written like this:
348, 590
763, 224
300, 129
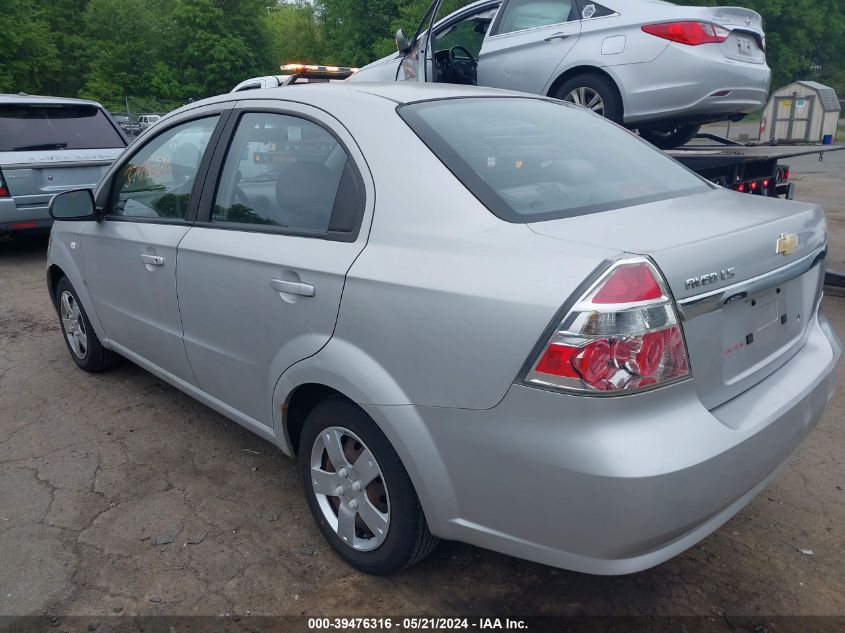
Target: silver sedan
656, 66
470, 314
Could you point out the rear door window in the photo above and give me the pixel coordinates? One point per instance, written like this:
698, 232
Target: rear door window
29, 127
287, 173
535, 159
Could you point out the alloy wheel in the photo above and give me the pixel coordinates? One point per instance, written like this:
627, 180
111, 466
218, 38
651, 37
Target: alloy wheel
73, 325
586, 98
350, 488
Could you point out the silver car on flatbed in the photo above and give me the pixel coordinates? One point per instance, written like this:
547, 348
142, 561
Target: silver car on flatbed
49, 145
659, 67
469, 314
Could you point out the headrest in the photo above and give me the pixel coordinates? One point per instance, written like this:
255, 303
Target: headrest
305, 185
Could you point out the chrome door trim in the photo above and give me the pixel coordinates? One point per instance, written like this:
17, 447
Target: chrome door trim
710, 301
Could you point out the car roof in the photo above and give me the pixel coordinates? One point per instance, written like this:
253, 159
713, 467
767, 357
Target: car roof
327, 95
413, 91
401, 92
24, 98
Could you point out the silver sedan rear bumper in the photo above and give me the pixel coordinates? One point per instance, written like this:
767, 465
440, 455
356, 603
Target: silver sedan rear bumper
612, 485
686, 82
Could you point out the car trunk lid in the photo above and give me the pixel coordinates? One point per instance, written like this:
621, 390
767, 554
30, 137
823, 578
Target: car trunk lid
746, 272
746, 41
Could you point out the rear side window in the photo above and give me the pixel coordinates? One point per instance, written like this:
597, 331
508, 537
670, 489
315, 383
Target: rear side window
594, 10
533, 159
53, 127
290, 173
519, 15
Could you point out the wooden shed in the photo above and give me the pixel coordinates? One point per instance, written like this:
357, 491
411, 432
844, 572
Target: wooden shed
803, 111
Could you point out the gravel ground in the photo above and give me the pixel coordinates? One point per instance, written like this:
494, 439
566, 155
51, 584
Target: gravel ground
119, 494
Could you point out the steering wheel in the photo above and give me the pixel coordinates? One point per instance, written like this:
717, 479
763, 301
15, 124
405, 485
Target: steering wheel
457, 63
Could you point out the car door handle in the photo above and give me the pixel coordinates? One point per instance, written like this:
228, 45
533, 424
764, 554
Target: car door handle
152, 260
293, 287
557, 36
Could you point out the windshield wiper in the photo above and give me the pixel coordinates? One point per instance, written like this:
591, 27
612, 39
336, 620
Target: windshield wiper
25, 148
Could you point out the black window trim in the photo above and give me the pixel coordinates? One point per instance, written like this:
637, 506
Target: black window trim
106, 197
574, 14
583, 3
215, 173
485, 194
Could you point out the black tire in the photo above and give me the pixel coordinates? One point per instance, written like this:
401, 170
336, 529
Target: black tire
601, 85
96, 358
408, 539
669, 137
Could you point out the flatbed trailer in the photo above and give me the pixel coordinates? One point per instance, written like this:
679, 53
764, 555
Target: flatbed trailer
752, 168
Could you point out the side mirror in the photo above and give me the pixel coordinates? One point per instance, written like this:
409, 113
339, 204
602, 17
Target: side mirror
402, 43
77, 204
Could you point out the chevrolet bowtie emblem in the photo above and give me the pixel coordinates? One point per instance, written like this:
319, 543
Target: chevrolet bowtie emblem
786, 244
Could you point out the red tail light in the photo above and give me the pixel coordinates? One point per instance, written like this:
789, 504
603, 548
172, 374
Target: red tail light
689, 33
4, 193
740, 187
629, 284
621, 336
754, 185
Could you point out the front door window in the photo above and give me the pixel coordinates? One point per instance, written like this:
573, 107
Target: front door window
156, 183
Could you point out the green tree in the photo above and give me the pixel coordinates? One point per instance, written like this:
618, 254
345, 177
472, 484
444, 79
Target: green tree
64, 18
295, 34
355, 30
216, 43
28, 53
123, 44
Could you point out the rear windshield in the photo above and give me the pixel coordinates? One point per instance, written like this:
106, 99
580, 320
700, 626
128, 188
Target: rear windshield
35, 127
529, 160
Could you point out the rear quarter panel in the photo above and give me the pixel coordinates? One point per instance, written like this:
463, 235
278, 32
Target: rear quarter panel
447, 301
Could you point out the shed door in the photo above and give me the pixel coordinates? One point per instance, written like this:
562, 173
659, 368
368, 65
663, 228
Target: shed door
792, 118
